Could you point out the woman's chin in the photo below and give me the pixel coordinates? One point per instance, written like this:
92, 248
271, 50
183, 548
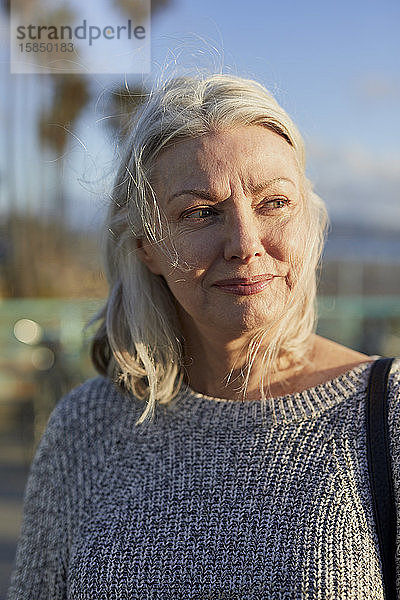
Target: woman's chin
246, 320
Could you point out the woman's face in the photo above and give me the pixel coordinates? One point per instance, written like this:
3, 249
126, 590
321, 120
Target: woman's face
234, 208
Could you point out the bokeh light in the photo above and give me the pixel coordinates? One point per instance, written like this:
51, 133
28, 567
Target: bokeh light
28, 331
42, 358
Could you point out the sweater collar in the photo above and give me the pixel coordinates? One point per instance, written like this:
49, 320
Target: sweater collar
307, 404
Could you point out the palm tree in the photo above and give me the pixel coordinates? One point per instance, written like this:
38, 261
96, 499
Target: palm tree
121, 103
70, 97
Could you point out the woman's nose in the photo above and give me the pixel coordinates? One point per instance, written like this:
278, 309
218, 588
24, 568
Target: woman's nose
243, 239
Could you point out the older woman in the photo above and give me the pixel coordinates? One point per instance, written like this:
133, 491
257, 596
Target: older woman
222, 454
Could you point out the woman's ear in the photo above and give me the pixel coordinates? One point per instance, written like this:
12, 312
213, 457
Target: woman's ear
148, 256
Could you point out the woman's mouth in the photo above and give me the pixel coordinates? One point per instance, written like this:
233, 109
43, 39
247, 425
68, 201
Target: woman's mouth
245, 286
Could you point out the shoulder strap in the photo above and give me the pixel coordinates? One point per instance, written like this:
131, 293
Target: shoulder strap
380, 472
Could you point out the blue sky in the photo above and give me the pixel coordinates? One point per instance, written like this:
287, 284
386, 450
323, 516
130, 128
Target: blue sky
335, 66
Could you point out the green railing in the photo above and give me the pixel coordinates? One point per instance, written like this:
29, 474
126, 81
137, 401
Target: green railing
369, 324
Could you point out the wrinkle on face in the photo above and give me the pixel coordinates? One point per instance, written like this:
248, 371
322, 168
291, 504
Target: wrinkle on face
230, 172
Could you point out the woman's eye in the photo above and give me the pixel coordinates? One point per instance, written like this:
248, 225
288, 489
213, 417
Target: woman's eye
199, 213
277, 203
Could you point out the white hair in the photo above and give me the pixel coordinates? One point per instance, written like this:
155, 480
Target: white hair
139, 343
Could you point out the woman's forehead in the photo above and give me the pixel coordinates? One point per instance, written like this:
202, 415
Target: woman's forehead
251, 153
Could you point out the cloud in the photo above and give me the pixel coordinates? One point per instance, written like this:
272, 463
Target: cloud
358, 187
377, 87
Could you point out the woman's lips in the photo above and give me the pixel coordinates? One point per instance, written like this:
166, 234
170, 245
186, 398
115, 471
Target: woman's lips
245, 287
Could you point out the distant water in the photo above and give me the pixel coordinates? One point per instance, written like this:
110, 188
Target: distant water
346, 243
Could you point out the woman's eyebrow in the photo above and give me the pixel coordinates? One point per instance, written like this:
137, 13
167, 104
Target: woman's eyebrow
201, 193
253, 188
256, 188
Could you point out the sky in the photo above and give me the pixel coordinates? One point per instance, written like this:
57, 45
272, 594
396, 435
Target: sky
334, 66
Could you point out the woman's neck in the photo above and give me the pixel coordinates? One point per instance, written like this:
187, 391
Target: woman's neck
208, 367
220, 368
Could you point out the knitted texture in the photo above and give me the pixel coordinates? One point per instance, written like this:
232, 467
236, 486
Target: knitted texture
216, 500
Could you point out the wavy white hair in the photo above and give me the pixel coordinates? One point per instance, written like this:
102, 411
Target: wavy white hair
139, 343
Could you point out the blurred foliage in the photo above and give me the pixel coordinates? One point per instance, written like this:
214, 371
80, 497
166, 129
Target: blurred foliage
137, 10
70, 97
46, 259
121, 104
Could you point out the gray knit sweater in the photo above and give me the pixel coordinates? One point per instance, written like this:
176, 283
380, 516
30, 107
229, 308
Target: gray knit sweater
216, 500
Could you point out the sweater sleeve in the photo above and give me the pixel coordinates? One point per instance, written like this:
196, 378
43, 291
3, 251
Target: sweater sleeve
394, 435
40, 565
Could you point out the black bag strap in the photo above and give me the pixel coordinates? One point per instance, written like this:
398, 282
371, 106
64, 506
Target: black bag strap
380, 471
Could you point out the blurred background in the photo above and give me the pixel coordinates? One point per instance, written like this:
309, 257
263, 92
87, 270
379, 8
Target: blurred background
335, 67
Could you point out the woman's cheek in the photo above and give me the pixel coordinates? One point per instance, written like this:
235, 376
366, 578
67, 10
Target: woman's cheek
295, 252
297, 242
283, 241
195, 253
